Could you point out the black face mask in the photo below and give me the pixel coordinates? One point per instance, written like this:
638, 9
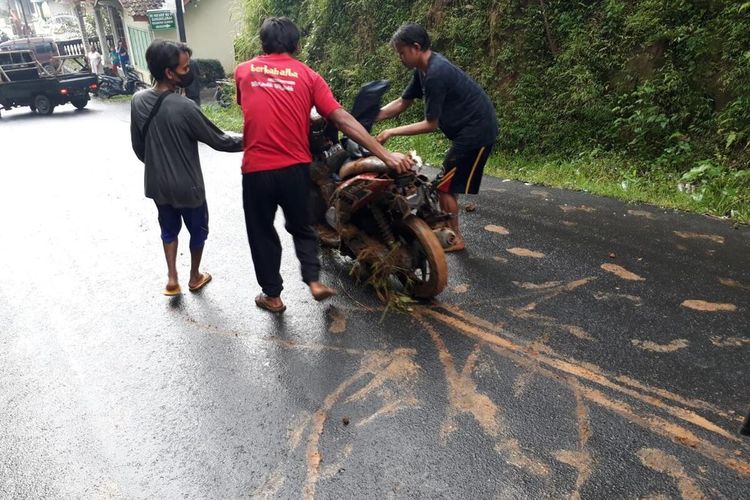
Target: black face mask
186, 80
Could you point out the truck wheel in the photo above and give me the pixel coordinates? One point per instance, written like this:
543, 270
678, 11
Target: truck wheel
80, 103
43, 105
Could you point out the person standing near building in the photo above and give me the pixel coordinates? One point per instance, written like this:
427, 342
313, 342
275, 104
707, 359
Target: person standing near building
122, 53
95, 61
455, 104
276, 93
115, 60
165, 129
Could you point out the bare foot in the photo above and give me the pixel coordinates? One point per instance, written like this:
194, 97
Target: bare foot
321, 292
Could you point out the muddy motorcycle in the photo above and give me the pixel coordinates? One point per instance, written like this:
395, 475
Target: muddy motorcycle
390, 224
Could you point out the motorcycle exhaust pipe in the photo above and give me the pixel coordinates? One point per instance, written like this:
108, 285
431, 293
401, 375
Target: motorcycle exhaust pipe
445, 236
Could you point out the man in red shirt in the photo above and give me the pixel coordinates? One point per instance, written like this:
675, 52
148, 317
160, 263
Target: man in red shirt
277, 93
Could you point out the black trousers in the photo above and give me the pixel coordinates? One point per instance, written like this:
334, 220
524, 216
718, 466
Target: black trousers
262, 193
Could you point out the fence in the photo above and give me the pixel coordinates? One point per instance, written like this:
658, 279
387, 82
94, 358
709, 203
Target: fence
75, 47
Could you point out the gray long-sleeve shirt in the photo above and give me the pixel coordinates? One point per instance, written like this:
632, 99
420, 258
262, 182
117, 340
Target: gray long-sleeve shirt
173, 173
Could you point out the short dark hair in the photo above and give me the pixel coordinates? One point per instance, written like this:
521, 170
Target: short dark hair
164, 54
409, 34
279, 35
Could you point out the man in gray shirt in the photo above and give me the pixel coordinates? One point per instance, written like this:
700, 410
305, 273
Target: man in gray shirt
165, 129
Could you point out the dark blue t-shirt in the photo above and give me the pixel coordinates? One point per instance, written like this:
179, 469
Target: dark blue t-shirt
464, 111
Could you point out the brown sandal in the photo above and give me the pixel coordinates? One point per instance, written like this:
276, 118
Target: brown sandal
263, 302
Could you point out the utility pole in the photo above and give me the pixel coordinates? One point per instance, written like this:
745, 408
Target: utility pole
180, 20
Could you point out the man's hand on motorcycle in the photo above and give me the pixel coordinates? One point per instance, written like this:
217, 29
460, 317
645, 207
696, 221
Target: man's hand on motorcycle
399, 162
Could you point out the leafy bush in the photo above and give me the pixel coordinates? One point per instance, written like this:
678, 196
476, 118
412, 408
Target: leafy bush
666, 82
211, 70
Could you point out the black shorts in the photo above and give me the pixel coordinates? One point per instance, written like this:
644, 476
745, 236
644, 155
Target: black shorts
463, 168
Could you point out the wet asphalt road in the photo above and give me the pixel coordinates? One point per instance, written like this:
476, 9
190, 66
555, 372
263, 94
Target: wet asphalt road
571, 355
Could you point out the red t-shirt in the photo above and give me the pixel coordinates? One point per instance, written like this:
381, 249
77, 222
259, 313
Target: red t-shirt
276, 93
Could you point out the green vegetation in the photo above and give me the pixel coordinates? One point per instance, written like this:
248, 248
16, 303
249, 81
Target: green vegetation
629, 99
708, 188
210, 70
225, 118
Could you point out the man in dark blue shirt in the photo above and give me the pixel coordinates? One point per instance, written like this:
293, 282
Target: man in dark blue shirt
455, 104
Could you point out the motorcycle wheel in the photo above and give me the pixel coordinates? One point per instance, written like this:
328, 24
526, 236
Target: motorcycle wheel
105, 90
429, 275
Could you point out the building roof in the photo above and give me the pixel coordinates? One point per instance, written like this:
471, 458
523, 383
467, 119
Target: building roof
139, 7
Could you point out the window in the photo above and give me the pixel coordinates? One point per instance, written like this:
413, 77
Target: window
139, 42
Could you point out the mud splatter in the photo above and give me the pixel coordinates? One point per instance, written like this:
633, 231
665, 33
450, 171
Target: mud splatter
591, 373
648, 345
496, 229
271, 486
719, 341
637, 301
525, 252
733, 283
581, 458
667, 464
396, 366
663, 393
502, 260
699, 236
578, 332
463, 288
702, 305
641, 213
681, 248
465, 398
336, 467
521, 384
537, 286
297, 428
621, 272
338, 321
391, 407
400, 368
582, 208
569, 223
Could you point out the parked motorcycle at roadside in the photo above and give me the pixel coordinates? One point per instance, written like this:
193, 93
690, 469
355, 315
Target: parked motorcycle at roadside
128, 84
392, 225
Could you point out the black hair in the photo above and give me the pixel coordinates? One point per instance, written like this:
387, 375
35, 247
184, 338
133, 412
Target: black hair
279, 35
409, 34
164, 54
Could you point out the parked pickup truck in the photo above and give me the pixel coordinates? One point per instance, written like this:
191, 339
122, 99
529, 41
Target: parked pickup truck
23, 82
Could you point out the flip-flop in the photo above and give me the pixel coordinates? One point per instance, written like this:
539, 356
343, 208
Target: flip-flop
173, 292
203, 282
262, 302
